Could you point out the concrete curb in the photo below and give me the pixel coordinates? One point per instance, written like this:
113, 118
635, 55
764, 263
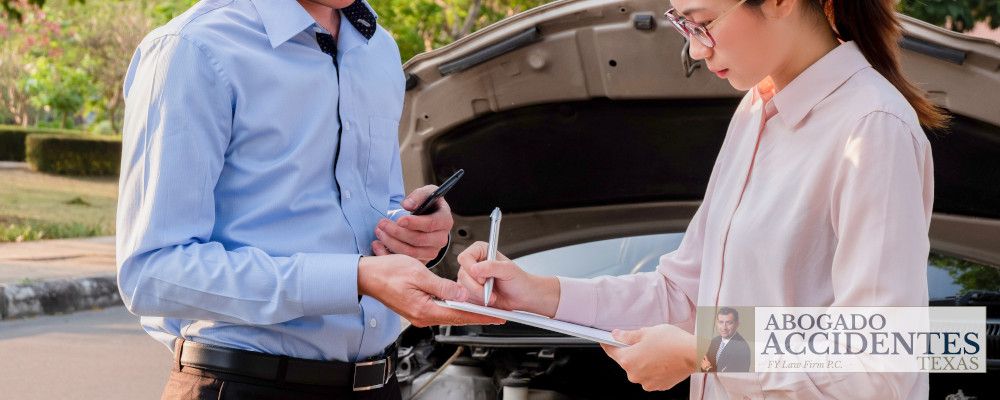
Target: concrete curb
57, 296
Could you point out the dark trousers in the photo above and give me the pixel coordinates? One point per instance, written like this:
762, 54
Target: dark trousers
189, 383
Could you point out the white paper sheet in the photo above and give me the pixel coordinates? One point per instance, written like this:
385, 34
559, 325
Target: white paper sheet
538, 321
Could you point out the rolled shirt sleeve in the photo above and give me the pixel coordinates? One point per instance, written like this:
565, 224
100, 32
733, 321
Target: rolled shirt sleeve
179, 113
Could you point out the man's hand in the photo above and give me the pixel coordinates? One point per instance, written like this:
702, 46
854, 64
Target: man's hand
418, 236
705, 364
657, 357
407, 287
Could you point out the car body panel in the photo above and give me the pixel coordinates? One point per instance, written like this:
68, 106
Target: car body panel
585, 120
579, 52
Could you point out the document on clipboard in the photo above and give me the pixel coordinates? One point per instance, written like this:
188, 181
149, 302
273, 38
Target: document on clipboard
537, 321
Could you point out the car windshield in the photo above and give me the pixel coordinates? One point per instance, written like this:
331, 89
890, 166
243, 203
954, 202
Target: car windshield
946, 276
618, 256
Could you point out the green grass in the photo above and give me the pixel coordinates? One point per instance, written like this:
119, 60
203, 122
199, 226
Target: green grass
42, 206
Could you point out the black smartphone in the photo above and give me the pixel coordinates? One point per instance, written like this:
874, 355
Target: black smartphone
430, 205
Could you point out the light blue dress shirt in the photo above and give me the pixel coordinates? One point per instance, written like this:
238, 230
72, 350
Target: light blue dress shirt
234, 226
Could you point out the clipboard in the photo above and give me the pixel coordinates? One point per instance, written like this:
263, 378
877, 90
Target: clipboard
537, 321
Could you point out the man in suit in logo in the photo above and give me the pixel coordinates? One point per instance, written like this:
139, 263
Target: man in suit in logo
729, 352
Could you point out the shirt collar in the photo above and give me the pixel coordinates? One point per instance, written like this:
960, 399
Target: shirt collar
814, 84
284, 19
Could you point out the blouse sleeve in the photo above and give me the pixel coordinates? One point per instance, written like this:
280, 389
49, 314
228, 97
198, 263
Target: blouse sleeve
883, 198
667, 295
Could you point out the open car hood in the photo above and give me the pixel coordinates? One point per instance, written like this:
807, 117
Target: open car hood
585, 120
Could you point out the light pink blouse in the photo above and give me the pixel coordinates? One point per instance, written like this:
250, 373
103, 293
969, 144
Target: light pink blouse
820, 196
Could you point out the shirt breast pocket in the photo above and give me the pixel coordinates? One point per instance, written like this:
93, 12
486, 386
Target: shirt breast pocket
383, 138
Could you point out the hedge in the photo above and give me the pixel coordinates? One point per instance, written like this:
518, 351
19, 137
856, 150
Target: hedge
74, 154
12, 140
12, 144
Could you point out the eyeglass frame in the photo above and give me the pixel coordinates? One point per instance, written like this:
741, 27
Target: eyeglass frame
681, 24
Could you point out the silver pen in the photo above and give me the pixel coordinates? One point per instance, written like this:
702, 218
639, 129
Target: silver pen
491, 253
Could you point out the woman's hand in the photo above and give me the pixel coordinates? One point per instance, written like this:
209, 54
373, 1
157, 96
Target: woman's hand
657, 357
513, 289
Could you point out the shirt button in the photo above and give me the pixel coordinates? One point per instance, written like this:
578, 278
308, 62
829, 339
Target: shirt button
347, 194
372, 323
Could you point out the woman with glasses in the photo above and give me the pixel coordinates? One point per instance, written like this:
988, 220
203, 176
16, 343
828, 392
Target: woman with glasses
821, 195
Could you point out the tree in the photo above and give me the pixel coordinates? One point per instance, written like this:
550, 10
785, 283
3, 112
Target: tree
962, 14
90, 42
69, 43
957, 15
162, 11
15, 104
423, 25
14, 8
109, 31
59, 87
21, 44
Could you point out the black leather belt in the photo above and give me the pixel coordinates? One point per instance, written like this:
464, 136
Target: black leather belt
363, 375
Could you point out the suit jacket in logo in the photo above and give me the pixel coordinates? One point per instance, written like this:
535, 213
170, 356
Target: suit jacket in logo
735, 356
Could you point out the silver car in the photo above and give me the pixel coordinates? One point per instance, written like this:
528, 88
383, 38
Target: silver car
587, 123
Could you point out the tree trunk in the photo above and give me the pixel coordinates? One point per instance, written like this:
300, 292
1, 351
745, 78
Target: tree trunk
470, 19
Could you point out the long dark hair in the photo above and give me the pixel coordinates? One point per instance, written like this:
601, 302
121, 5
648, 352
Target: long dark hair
873, 26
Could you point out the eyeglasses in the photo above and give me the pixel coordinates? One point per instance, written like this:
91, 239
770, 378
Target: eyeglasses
688, 28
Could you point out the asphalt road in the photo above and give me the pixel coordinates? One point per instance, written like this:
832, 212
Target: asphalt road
87, 355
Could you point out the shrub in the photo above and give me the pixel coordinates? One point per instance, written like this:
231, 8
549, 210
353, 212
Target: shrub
74, 154
12, 144
36, 230
12, 140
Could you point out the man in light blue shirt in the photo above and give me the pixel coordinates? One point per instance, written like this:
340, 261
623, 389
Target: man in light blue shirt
261, 197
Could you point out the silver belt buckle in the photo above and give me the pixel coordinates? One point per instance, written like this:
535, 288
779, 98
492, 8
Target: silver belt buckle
369, 380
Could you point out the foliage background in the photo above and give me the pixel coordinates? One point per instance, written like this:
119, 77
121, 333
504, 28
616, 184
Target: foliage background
62, 62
